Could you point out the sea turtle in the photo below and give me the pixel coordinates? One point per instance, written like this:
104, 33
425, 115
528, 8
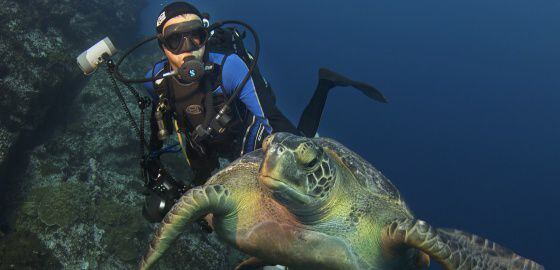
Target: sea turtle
314, 204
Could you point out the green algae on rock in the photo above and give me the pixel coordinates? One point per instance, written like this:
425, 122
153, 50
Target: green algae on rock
61, 205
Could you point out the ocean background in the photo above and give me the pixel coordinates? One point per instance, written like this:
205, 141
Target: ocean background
471, 132
470, 135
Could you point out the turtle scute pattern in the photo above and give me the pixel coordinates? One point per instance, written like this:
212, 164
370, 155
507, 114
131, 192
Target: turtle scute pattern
365, 173
321, 179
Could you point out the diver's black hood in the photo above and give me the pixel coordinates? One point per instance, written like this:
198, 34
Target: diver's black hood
172, 10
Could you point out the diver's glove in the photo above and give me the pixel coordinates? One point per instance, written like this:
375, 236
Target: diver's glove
163, 190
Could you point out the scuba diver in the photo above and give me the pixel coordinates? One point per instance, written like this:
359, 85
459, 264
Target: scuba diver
186, 105
209, 91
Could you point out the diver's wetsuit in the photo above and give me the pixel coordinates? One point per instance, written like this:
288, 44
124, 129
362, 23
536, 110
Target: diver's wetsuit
254, 114
249, 114
256, 110
311, 116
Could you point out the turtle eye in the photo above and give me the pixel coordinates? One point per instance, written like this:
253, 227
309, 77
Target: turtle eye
312, 163
308, 155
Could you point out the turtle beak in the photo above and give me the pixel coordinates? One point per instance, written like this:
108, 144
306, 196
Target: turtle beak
284, 190
278, 170
267, 141
274, 157
271, 165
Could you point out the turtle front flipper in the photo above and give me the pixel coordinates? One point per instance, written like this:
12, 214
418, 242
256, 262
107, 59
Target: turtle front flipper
453, 249
194, 204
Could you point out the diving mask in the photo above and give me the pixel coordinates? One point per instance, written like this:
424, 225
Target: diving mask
184, 37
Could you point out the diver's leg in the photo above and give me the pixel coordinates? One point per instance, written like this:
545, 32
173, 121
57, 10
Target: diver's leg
311, 116
279, 122
276, 118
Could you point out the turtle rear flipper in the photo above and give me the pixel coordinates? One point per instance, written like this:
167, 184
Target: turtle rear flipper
194, 204
454, 249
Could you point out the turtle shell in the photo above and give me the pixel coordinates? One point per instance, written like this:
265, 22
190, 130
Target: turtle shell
367, 175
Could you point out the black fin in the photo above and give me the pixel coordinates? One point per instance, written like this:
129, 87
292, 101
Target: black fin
339, 80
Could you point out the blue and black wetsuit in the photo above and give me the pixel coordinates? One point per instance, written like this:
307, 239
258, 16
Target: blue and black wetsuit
254, 110
250, 125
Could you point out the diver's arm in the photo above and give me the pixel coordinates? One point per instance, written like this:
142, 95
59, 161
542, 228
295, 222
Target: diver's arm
233, 73
155, 71
255, 135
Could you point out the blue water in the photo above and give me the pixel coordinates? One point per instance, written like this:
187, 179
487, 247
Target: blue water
471, 133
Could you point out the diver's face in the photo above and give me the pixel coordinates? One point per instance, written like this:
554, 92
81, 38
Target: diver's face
176, 60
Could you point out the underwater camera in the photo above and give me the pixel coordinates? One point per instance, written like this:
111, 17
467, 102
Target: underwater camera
92, 57
163, 190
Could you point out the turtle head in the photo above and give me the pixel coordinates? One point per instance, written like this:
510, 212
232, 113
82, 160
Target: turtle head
296, 169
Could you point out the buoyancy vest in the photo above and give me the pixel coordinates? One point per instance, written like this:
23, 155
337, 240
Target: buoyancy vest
192, 103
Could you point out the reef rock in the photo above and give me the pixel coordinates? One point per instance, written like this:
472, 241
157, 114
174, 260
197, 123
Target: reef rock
79, 196
39, 40
83, 190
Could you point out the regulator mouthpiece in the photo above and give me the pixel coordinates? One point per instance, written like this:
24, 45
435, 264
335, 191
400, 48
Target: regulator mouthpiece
192, 69
92, 57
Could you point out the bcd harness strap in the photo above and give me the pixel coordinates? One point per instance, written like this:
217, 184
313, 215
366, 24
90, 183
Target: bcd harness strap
180, 138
